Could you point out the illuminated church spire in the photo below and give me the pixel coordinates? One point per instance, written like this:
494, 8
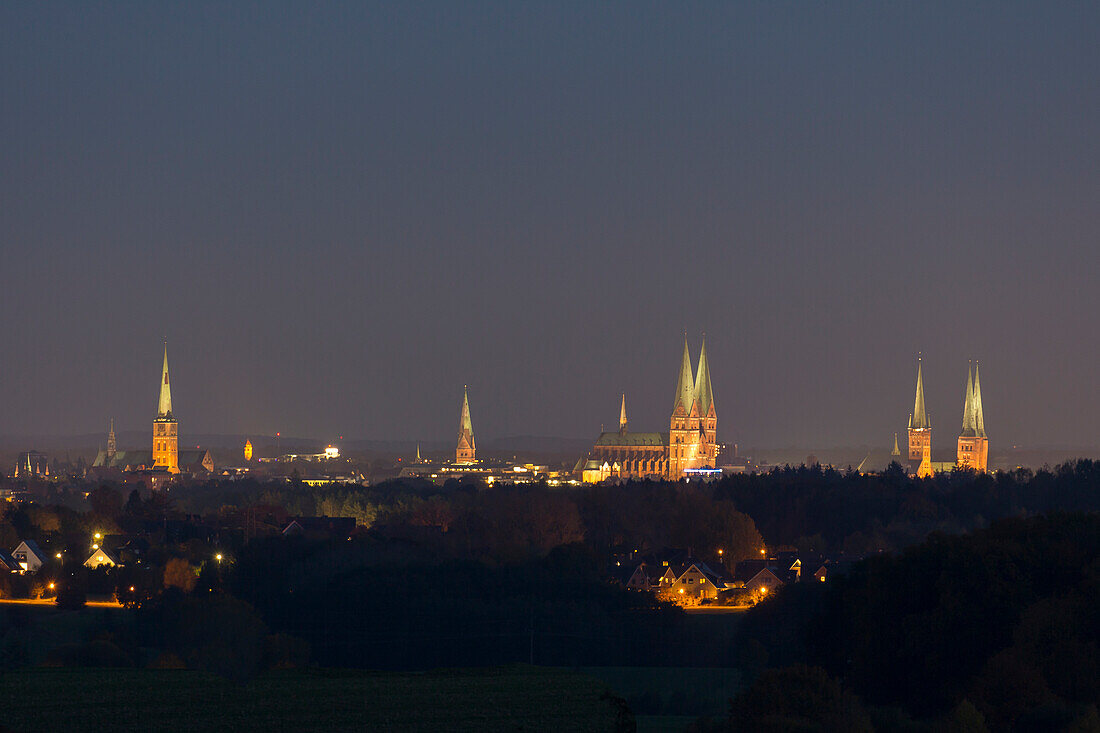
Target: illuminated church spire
979, 414
165, 427
685, 385
968, 429
465, 451
896, 452
112, 444
704, 395
164, 408
973, 445
622, 416
920, 427
918, 420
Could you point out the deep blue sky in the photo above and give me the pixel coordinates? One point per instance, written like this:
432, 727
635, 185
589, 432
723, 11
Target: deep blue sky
341, 213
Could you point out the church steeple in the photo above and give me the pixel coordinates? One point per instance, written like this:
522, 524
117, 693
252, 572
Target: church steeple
465, 451
920, 427
703, 392
112, 444
895, 453
979, 414
165, 427
968, 429
919, 418
622, 416
685, 385
164, 407
973, 445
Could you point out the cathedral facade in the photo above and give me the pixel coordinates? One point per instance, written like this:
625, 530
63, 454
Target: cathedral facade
690, 443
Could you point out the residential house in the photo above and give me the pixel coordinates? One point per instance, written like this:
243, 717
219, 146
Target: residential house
101, 558
29, 556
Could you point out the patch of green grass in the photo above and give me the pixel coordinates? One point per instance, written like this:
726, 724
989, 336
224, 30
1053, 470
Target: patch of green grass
164, 701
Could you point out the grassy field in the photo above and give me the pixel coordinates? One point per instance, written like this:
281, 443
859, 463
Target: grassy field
672, 691
514, 698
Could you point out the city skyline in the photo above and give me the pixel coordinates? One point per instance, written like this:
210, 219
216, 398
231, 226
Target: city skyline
339, 221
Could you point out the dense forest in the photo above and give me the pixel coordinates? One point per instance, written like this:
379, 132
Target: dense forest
999, 628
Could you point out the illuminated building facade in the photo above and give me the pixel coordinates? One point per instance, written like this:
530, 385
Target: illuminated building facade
465, 451
690, 444
248, 450
973, 446
165, 427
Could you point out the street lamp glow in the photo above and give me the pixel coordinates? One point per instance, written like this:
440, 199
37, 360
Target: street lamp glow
98, 536
218, 557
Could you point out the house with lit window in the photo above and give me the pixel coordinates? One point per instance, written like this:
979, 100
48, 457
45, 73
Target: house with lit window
695, 582
101, 558
29, 556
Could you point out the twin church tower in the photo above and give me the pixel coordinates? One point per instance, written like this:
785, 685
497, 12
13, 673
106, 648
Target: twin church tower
690, 444
972, 449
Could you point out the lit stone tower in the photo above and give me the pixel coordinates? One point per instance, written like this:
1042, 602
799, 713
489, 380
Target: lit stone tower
622, 417
707, 453
165, 428
248, 450
973, 449
465, 452
920, 429
684, 424
112, 444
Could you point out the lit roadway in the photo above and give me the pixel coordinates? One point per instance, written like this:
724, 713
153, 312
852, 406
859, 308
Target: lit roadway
52, 602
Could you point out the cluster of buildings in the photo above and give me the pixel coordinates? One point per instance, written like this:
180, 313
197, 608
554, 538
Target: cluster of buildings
688, 449
678, 577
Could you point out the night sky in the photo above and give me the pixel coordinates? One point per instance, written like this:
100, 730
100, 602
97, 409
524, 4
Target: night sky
340, 214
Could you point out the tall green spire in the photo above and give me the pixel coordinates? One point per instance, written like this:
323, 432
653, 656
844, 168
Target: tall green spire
685, 385
164, 407
919, 419
464, 424
896, 451
968, 429
703, 392
979, 414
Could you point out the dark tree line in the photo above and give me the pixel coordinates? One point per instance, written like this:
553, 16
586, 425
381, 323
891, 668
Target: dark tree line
1002, 624
833, 511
